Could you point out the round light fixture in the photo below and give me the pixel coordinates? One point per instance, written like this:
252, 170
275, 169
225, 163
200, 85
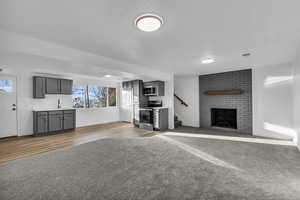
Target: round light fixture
208, 61
246, 54
149, 22
107, 76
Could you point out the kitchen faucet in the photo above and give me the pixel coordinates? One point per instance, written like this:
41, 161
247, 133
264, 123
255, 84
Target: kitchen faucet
58, 104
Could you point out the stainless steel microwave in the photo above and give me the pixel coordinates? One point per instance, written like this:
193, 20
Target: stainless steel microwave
150, 90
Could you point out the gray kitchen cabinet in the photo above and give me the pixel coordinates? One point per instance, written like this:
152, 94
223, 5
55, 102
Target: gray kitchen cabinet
55, 121
47, 85
135, 88
39, 87
52, 86
69, 119
46, 122
66, 86
136, 114
127, 86
41, 123
143, 100
139, 100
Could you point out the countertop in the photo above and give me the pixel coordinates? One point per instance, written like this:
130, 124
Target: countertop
52, 109
153, 108
159, 108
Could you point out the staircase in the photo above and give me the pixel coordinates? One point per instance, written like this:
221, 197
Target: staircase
177, 122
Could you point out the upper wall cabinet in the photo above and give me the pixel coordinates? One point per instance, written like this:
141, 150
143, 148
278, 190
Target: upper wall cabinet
66, 86
46, 85
39, 87
52, 86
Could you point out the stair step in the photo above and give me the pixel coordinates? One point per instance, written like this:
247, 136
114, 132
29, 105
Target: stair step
177, 123
175, 118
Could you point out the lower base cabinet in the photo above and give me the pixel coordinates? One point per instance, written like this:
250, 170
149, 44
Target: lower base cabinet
41, 122
55, 121
47, 122
69, 120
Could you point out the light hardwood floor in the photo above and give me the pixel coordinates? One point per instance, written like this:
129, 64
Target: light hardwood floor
19, 147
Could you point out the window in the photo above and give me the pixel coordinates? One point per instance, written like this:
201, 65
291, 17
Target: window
93, 96
6, 86
112, 100
79, 96
97, 96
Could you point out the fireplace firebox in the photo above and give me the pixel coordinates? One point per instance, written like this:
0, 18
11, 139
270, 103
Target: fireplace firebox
225, 118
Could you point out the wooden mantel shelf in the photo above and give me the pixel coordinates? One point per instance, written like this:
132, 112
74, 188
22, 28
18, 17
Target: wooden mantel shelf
224, 92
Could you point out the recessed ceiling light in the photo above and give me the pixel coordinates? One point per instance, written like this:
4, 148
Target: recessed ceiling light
148, 22
107, 76
208, 61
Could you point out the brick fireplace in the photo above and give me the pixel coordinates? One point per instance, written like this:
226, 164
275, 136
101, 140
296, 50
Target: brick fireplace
226, 100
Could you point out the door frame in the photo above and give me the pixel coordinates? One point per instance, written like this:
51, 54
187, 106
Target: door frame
17, 104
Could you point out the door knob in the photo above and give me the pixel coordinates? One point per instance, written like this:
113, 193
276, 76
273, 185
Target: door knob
14, 104
14, 109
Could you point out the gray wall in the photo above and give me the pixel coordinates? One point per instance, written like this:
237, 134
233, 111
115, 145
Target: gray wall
243, 102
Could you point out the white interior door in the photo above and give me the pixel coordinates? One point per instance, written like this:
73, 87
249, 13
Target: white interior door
8, 106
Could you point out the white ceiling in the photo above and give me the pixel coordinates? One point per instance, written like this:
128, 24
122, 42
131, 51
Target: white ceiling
192, 30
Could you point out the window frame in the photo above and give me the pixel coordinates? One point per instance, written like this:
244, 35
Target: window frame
116, 97
90, 97
86, 97
6, 86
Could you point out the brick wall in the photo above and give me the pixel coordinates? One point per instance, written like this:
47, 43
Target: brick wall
223, 81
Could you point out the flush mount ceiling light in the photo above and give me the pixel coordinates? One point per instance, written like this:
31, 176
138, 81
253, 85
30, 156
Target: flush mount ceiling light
107, 76
208, 61
148, 22
246, 54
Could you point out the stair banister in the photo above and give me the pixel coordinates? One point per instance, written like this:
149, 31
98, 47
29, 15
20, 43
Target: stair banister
181, 100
